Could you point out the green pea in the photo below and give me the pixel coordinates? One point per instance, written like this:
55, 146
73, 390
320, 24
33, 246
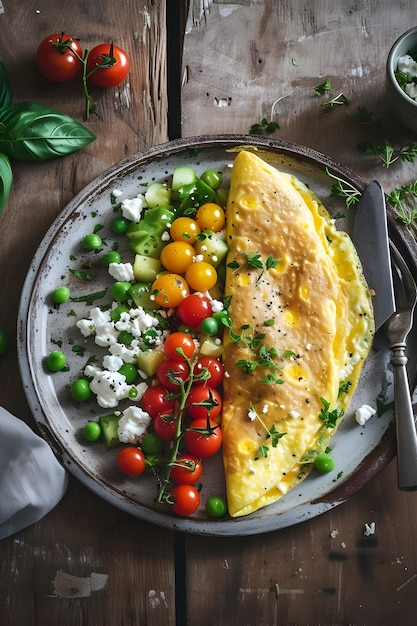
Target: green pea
129, 371
209, 326
119, 291
119, 225
152, 444
111, 257
92, 431
61, 295
56, 361
116, 313
324, 463
80, 390
125, 337
92, 242
216, 506
4, 342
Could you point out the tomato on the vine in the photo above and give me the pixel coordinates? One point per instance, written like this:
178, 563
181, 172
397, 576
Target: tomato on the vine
171, 371
177, 345
131, 461
107, 65
200, 396
157, 400
203, 437
165, 426
186, 500
187, 469
58, 57
194, 309
213, 368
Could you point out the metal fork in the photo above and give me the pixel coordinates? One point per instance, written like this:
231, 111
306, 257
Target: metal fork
396, 329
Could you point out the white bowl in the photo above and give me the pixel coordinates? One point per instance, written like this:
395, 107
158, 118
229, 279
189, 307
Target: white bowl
404, 107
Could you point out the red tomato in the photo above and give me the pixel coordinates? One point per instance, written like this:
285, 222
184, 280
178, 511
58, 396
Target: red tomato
55, 60
187, 470
131, 461
156, 400
165, 426
112, 63
169, 369
194, 309
215, 370
186, 500
179, 341
204, 394
203, 441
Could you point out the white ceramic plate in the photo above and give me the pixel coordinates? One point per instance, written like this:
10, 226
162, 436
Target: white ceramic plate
360, 452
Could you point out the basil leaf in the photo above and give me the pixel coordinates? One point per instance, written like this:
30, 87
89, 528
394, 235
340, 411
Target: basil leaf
32, 131
6, 93
6, 178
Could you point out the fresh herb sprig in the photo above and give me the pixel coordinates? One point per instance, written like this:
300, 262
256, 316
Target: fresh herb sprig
404, 201
344, 189
328, 416
270, 433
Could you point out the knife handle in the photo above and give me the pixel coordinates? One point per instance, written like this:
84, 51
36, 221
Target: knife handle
405, 422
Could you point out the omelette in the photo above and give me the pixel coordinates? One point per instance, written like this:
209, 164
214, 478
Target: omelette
301, 328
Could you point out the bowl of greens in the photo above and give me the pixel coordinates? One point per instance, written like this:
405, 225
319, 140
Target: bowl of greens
401, 78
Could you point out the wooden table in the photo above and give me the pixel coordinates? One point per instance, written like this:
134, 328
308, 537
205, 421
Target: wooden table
238, 59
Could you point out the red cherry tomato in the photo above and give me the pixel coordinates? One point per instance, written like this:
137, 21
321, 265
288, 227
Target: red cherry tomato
187, 470
112, 63
204, 394
186, 500
156, 400
169, 370
215, 371
165, 426
55, 60
131, 461
202, 441
194, 309
179, 341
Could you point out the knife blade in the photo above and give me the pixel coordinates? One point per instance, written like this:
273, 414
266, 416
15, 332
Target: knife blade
370, 236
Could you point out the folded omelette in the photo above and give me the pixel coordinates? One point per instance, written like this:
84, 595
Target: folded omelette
302, 326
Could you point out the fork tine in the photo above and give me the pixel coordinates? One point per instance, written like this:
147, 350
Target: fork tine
411, 288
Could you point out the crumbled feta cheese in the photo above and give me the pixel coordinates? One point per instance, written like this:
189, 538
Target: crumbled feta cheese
411, 90
122, 272
198, 258
117, 193
98, 316
132, 208
106, 335
407, 65
112, 363
165, 236
252, 414
369, 529
133, 425
293, 414
334, 534
86, 327
129, 355
91, 370
308, 346
364, 413
216, 306
265, 409
109, 387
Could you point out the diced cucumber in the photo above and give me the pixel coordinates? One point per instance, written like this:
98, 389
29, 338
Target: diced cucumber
109, 425
149, 361
183, 175
212, 178
141, 296
157, 195
146, 268
159, 217
147, 245
211, 247
210, 346
193, 196
221, 196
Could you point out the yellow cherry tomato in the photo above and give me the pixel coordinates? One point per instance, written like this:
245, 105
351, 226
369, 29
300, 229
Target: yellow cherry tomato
169, 290
177, 256
201, 276
211, 216
184, 229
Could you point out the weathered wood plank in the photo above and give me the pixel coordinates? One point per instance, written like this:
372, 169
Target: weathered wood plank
84, 537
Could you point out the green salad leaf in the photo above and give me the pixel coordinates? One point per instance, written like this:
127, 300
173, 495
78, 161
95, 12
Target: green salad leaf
32, 131
6, 178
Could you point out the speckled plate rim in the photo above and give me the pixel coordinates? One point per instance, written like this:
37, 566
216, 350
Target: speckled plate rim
379, 457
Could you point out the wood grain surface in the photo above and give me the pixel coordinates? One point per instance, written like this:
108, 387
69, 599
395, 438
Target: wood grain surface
87, 563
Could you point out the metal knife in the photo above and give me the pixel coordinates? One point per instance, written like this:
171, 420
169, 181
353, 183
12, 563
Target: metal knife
370, 236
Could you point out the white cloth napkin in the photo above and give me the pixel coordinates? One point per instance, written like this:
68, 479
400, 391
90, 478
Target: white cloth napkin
32, 481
